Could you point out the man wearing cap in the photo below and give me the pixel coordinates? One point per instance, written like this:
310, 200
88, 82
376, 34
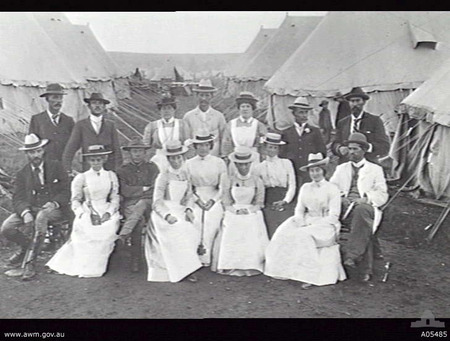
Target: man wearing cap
343, 108
41, 196
302, 139
204, 117
94, 130
364, 190
52, 124
325, 121
136, 180
361, 121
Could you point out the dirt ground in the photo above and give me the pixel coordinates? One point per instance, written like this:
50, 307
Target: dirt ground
418, 281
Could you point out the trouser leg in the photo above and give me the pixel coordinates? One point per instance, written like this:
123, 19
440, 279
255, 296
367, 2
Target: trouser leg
376, 246
361, 231
14, 230
367, 261
134, 214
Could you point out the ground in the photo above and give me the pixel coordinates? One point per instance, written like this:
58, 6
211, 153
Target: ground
418, 281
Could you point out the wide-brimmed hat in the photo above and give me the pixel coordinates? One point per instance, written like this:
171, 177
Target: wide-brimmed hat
272, 138
315, 160
32, 141
242, 154
323, 103
246, 97
357, 92
96, 149
96, 96
136, 143
204, 85
53, 89
301, 102
174, 147
359, 138
166, 101
203, 136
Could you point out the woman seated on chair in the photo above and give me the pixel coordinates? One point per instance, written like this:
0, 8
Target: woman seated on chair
304, 248
172, 239
242, 240
95, 202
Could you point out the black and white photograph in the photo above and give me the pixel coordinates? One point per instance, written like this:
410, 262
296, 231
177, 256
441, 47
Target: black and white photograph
225, 165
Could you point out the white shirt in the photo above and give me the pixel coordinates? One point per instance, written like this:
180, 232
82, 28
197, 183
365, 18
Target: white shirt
359, 164
353, 121
58, 117
96, 122
300, 129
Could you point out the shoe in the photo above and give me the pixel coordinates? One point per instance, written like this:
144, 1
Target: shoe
17, 258
193, 279
29, 272
350, 263
366, 277
305, 286
15, 272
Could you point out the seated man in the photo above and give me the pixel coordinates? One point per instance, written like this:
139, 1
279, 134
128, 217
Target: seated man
364, 190
136, 183
40, 197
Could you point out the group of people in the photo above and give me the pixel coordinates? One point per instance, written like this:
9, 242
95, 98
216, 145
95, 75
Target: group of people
234, 196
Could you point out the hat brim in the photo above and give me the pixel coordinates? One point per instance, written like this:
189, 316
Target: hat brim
232, 158
128, 148
323, 162
97, 153
363, 96
280, 143
42, 144
183, 150
53, 93
205, 89
203, 141
300, 106
88, 100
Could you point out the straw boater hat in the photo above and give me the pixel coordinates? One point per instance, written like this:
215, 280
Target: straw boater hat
174, 147
358, 138
202, 136
96, 149
246, 97
273, 138
32, 141
53, 89
205, 85
300, 102
242, 154
166, 101
136, 143
357, 92
96, 96
315, 160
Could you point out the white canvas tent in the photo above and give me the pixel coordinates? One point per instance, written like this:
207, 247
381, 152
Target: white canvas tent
257, 70
167, 72
388, 54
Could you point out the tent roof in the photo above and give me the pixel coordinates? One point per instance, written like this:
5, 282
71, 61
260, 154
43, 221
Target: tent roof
29, 56
373, 50
432, 95
291, 34
89, 60
263, 36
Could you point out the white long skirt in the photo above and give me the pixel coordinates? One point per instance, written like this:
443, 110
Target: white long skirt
171, 250
308, 254
240, 245
87, 252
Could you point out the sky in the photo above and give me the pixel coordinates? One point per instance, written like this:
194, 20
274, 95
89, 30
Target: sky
179, 32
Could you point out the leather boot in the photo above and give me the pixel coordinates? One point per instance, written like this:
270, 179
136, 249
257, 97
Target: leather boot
29, 272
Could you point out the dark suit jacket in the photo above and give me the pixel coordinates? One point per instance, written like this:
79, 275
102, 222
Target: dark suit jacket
343, 110
84, 135
55, 179
297, 148
42, 126
371, 126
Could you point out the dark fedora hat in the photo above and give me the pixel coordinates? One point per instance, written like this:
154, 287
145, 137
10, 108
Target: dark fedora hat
167, 101
246, 97
357, 92
53, 89
135, 143
96, 96
358, 138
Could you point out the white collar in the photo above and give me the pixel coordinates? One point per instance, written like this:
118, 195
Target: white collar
102, 170
319, 183
272, 159
96, 119
51, 115
359, 164
243, 177
249, 120
204, 112
41, 166
171, 120
359, 116
203, 158
300, 126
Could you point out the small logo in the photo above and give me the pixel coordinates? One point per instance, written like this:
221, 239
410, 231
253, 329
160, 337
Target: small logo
427, 320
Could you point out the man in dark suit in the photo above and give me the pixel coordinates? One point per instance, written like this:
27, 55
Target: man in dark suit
361, 121
41, 196
302, 139
94, 130
343, 108
52, 124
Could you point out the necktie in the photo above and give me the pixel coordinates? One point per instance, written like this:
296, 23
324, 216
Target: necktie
55, 119
36, 172
96, 126
356, 125
356, 172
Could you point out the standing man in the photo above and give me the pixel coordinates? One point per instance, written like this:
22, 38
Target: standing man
94, 130
362, 185
136, 184
343, 109
41, 196
361, 121
325, 121
204, 117
52, 124
302, 139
